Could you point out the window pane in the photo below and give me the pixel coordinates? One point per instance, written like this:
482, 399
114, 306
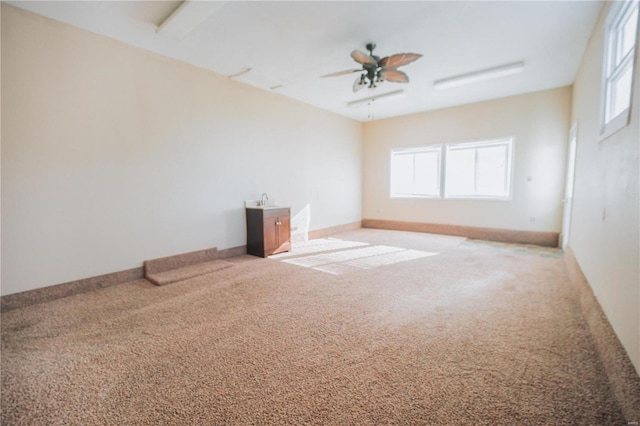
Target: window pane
460, 172
480, 169
427, 176
491, 171
401, 174
627, 35
621, 40
415, 173
621, 92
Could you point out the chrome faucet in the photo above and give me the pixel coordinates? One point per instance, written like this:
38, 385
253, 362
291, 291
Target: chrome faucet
264, 200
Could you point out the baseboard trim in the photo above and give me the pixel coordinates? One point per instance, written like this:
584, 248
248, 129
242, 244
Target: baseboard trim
623, 378
546, 239
325, 232
232, 252
23, 299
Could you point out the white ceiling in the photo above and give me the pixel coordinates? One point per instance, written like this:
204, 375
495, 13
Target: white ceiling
295, 42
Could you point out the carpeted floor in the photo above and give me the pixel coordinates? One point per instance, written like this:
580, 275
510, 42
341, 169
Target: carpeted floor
369, 327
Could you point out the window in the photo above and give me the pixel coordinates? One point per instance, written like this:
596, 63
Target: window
416, 172
478, 169
620, 44
471, 170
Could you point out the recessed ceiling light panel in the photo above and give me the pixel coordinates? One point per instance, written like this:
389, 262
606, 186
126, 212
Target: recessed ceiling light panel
188, 16
259, 79
477, 76
382, 97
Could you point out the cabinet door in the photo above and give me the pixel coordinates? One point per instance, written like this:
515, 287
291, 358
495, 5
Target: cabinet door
255, 232
270, 233
284, 230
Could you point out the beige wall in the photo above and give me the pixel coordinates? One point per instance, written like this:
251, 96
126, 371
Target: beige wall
112, 155
539, 123
605, 231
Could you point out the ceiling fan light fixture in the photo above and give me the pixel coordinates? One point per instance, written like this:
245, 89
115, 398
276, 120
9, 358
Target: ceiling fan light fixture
258, 79
477, 76
385, 96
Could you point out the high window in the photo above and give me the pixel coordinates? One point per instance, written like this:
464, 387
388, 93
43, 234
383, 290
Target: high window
478, 169
471, 170
620, 44
416, 172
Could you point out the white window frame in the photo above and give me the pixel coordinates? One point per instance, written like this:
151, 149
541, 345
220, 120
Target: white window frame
617, 15
442, 150
509, 142
415, 150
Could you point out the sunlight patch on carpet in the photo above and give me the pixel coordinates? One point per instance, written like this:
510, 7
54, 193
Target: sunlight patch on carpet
355, 257
341, 256
317, 246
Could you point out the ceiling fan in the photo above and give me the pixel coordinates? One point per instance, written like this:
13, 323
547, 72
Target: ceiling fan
375, 70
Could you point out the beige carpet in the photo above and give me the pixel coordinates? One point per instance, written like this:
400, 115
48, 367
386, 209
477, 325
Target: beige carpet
472, 333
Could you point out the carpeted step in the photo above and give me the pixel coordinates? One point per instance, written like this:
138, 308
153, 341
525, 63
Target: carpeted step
179, 261
186, 272
170, 269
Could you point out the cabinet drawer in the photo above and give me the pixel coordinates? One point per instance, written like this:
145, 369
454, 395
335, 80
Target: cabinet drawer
275, 212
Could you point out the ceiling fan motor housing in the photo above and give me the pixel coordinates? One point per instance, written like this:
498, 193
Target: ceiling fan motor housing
372, 71
375, 70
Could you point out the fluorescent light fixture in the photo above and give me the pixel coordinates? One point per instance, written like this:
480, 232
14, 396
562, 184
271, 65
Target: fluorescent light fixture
187, 17
474, 77
385, 96
258, 79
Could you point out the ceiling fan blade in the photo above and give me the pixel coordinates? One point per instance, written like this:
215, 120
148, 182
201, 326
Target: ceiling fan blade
394, 76
345, 72
357, 86
398, 60
363, 58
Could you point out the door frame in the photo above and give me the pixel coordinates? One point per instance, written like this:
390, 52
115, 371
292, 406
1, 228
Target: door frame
569, 185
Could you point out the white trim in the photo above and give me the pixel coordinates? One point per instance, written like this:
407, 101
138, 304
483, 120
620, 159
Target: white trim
610, 71
569, 186
619, 122
478, 76
437, 148
510, 142
443, 148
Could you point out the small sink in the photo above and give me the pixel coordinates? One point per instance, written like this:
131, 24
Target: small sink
263, 207
255, 204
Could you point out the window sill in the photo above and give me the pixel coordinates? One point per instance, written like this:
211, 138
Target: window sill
436, 197
619, 122
419, 197
477, 198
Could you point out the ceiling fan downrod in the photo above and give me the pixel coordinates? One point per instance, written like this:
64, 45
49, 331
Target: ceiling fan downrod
372, 76
370, 47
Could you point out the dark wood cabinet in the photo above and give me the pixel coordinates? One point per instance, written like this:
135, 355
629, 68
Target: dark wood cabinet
268, 230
